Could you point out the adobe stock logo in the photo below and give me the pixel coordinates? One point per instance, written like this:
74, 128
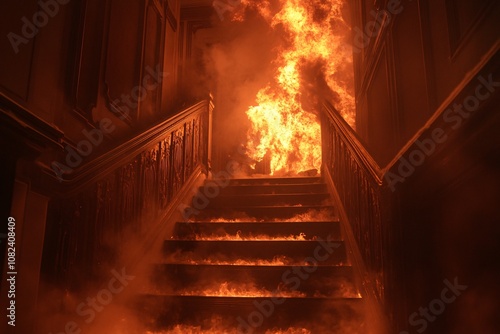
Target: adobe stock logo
40, 19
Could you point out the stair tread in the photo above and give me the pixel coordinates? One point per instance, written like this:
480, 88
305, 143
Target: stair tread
244, 266
245, 298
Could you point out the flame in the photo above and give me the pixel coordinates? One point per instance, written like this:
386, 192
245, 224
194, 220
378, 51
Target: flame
227, 289
187, 258
179, 257
313, 215
260, 237
186, 329
281, 128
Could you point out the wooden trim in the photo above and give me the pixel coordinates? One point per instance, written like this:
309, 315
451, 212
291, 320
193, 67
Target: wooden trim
28, 125
88, 90
457, 38
392, 90
171, 18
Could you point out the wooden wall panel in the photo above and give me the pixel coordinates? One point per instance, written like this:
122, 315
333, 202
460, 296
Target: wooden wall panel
381, 137
410, 70
124, 50
154, 36
88, 37
462, 17
16, 56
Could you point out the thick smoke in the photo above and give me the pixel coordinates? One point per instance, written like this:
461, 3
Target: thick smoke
239, 62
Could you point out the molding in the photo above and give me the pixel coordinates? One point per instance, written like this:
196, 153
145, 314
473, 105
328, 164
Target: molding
27, 126
171, 18
457, 38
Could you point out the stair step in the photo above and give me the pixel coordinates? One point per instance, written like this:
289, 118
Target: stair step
297, 251
274, 180
185, 230
261, 313
322, 281
255, 260
222, 201
258, 189
260, 212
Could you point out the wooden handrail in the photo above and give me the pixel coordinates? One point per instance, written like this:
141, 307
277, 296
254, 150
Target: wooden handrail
111, 160
351, 139
17, 118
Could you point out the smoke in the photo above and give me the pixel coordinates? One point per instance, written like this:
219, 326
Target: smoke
238, 62
101, 301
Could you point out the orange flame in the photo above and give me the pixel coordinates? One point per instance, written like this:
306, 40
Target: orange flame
227, 289
280, 125
260, 237
186, 329
312, 215
187, 258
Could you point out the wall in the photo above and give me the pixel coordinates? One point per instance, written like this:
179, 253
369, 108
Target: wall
407, 70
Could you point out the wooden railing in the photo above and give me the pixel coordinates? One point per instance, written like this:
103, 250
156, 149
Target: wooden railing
124, 192
360, 186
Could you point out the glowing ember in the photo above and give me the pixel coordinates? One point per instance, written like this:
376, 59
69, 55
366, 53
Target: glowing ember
184, 329
260, 237
315, 50
227, 289
281, 260
187, 258
323, 215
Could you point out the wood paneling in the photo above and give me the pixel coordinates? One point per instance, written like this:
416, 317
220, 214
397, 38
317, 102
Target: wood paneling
124, 50
17, 50
88, 37
463, 16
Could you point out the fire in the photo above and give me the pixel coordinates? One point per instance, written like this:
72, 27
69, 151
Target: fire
313, 215
186, 329
281, 127
187, 258
279, 260
227, 289
259, 237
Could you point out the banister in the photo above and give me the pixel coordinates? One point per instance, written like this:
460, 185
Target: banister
356, 182
362, 156
105, 163
135, 187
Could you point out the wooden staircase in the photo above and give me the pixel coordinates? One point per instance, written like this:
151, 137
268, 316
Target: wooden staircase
266, 256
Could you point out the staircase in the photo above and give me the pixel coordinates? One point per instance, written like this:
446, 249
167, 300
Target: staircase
265, 256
